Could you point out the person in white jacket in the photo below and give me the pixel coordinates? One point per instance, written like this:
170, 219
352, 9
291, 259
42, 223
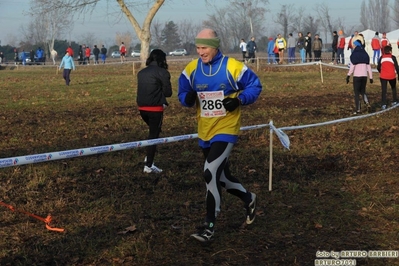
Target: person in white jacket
53, 54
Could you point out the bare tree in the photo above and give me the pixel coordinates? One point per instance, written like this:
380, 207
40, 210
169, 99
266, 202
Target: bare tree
347, 29
12, 40
325, 20
218, 22
156, 33
89, 39
285, 18
32, 33
251, 14
364, 18
328, 24
310, 24
297, 20
188, 30
375, 15
240, 19
47, 26
143, 31
395, 15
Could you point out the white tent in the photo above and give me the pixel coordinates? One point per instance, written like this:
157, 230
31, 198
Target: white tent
393, 38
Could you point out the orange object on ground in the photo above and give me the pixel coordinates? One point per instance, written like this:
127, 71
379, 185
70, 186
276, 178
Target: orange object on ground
46, 220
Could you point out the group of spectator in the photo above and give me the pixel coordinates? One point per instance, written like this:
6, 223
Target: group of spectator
37, 57
307, 48
311, 49
85, 55
85, 52
249, 47
378, 44
277, 46
359, 63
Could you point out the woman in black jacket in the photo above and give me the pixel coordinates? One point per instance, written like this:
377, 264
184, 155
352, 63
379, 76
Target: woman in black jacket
153, 86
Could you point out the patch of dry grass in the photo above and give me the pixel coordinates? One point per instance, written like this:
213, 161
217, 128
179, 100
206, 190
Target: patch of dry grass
336, 189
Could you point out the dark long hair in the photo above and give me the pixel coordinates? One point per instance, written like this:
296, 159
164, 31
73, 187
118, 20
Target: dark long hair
158, 56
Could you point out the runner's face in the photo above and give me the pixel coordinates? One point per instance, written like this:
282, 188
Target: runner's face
206, 53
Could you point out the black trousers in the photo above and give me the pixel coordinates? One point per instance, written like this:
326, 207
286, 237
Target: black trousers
244, 56
309, 53
154, 122
251, 57
359, 88
334, 52
66, 75
317, 55
384, 88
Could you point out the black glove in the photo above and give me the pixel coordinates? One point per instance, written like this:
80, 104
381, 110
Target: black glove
230, 104
191, 96
347, 79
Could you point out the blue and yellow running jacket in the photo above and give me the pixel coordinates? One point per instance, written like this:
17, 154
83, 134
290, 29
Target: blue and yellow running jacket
222, 77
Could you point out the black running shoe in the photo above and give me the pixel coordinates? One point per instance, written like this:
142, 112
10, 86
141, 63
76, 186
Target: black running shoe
205, 235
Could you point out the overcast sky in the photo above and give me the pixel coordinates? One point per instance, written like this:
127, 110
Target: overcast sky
13, 16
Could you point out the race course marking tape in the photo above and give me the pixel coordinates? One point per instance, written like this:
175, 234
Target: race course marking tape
58, 155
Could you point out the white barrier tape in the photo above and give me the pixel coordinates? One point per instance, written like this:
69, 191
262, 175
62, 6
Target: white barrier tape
295, 64
51, 156
58, 155
254, 127
345, 67
338, 120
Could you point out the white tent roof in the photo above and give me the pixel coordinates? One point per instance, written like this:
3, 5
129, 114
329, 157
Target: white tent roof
369, 34
393, 36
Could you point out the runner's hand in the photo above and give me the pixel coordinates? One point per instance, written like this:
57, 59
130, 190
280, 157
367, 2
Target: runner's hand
191, 96
230, 104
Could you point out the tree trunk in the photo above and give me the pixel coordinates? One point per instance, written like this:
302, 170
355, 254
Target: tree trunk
143, 33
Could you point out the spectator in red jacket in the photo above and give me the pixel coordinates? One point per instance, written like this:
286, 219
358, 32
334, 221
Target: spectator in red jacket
341, 48
388, 68
384, 42
376, 46
70, 51
87, 54
122, 50
276, 53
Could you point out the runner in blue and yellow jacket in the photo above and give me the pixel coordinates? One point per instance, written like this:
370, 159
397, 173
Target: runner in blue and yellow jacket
218, 85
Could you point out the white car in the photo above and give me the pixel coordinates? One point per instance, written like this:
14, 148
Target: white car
135, 53
116, 54
181, 52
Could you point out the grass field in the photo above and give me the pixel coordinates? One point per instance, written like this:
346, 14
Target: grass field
336, 189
